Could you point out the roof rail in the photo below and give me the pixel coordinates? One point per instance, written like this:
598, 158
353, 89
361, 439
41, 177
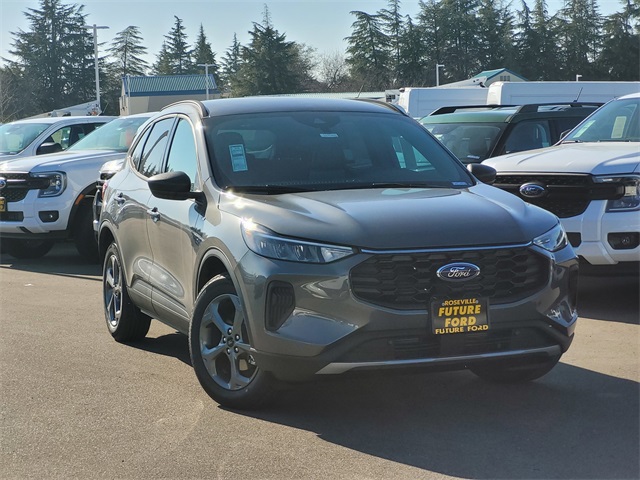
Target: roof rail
391, 106
527, 108
196, 103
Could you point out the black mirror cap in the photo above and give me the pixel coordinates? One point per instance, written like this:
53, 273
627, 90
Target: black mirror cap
172, 186
484, 173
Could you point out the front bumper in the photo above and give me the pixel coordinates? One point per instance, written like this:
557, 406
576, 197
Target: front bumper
28, 217
592, 230
331, 331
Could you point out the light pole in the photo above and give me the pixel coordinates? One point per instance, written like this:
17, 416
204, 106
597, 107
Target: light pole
438, 67
578, 77
206, 75
95, 53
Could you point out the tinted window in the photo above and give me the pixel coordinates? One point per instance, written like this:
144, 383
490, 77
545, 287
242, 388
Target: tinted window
327, 150
182, 153
153, 150
470, 142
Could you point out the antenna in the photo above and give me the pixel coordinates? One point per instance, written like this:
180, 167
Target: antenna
579, 93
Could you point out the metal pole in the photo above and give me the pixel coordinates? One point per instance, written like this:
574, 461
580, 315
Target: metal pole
95, 53
578, 77
206, 75
438, 67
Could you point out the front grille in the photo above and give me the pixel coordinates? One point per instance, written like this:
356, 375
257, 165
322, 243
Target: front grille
566, 196
442, 346
408, 281
19, 184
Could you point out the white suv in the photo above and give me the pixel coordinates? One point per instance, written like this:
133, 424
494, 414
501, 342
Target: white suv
590, 180
47, 198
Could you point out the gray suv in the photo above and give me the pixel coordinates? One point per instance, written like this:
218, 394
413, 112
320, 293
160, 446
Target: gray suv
297, 238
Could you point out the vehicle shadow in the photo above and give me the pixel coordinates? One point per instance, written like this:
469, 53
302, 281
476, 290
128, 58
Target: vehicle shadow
171, 345
573, 423
612, 298
63, 260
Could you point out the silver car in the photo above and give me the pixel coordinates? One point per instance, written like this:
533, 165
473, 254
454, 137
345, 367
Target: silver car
297, 238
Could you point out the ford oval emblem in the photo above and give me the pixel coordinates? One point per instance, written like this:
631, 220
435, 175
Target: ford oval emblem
458, 272
3, 182
533, 190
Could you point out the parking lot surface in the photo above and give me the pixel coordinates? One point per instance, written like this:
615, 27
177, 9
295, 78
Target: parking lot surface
76, 404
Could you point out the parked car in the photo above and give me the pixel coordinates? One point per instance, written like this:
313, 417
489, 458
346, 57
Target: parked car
296, 238
475, 133
591, 180
38, 136
48, 198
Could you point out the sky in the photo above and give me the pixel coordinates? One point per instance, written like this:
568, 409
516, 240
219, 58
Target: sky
320, 24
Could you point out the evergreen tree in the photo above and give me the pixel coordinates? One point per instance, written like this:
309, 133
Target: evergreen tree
494, 36
203, 55
393, 26
412, 69
432, 26
368, 52
54, 57
230, 65
580, 32
163, 65
176, 50
127, 51
461, 49
270, 64
620, 56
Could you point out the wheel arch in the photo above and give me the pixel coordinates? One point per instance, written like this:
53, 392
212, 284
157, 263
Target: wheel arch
83, 200
213, 263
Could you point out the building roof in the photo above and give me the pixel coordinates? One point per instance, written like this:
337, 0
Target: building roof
164, 85
498, 71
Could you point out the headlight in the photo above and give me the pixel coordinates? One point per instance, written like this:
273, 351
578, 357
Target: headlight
269, 244
631, 199
56, 183
553, 240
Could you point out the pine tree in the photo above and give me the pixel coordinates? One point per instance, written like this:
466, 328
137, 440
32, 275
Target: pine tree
203, 55
54, 57
494, 36
368, 52
163, 65
393, 26
580, 32
620, 56
127, 52
175, 56
230, 65
432, 25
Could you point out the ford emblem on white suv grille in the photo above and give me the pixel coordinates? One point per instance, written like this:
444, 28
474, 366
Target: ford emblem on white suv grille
533, 190
458, 272
3, 183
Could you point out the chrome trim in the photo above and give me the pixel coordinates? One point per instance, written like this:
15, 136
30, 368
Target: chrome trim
338, 368
435, 250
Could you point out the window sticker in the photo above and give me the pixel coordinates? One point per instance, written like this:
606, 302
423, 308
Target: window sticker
238, 158
618, 127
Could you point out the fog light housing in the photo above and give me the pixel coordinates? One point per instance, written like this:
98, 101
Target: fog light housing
280, 303
624, 240
48, 216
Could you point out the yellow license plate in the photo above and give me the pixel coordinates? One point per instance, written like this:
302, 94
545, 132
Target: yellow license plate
459, 315
3, 205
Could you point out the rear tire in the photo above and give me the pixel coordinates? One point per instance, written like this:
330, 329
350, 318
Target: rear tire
26, 249
515, 373
220, 349
125, 321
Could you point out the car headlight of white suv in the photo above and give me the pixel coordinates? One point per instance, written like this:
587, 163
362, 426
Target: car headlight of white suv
56, 185
630, 201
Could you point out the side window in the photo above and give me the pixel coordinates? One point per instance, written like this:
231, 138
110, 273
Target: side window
59, 139
182, 153
528, 136
153, 151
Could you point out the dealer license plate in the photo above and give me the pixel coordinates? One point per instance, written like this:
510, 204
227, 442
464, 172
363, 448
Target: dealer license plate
3, 205
459, 315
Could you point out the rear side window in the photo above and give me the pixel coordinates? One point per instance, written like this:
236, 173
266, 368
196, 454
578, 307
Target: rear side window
152, 154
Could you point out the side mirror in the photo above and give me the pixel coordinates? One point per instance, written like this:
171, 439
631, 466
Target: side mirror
49, 147
173, 186
484, 173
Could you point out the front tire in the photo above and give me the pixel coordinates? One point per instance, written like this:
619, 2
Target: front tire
125, 321
515, 373
220, 349
26, 249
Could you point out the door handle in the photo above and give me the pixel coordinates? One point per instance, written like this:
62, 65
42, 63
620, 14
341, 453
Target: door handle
154, 214
120, 199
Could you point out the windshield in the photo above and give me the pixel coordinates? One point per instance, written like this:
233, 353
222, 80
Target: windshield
471, 143
305, 151
15, 137
116, 135
617, 121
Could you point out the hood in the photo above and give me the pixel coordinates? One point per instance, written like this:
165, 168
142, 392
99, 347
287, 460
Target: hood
58, 161
397, 218
603, 158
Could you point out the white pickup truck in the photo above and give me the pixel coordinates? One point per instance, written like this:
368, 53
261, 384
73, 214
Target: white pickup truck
48, 198
590, 180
